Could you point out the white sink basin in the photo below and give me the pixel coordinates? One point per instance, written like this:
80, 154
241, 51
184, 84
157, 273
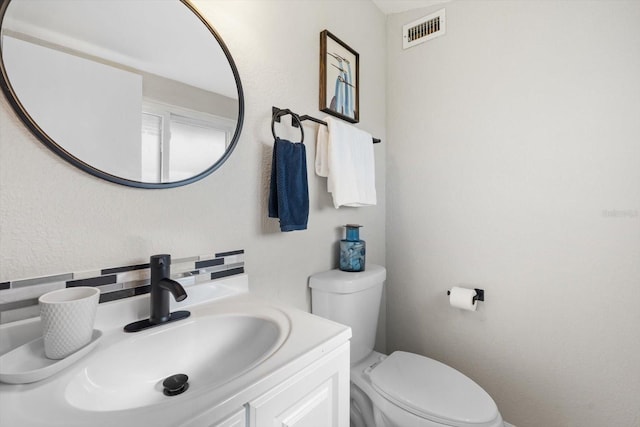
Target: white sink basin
210, 349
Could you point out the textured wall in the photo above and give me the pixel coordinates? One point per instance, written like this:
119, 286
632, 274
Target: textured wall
56, 218
512, 165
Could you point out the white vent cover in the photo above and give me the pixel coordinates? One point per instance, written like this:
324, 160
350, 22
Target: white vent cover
423, 29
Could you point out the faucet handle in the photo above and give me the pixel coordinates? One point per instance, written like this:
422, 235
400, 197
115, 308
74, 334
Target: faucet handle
159, 267
162, 259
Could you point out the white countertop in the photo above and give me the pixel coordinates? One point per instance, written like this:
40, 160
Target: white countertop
43, 403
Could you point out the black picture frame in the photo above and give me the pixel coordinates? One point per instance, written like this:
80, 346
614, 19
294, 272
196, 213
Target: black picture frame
339, 78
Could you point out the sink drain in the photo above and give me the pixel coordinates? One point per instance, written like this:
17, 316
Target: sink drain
175, 384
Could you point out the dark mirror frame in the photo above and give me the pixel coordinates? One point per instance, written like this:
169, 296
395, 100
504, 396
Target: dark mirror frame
56, 148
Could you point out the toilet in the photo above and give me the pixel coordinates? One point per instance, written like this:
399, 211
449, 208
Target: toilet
402, 389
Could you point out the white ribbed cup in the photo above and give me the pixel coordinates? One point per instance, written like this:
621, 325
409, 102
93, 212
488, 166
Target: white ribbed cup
67, 318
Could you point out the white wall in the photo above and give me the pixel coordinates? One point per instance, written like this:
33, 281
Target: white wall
512, 165
55, 218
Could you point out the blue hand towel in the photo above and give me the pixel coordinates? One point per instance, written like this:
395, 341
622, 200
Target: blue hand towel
289, 190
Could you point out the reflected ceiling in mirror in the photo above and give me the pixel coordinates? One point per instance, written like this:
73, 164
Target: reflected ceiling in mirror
142, 93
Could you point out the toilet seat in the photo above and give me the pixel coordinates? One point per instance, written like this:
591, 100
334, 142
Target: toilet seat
432, 390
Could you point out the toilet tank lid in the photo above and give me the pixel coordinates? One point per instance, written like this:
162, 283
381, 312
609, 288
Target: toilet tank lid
344, 282
433, 390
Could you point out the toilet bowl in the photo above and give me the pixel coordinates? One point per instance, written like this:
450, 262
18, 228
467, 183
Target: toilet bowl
402, 389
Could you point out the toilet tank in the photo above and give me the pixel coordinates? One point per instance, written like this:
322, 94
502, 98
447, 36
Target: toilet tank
352, 299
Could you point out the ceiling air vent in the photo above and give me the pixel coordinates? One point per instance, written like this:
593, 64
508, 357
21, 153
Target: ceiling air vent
423, 29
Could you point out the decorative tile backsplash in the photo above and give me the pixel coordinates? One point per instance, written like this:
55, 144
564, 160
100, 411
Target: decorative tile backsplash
19, 298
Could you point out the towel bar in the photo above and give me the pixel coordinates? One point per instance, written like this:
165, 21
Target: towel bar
296, 120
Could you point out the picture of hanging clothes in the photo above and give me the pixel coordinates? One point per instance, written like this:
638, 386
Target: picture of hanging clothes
339, 71
343, 97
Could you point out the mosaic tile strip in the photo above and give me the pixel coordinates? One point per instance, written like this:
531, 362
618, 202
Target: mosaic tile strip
227, 273
209, 263
93, 281
19, 298
226, 254
123, 269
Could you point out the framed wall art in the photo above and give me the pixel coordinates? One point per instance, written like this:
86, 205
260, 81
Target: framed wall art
339, 78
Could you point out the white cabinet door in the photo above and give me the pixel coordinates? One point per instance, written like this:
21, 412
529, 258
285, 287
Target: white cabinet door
239, 419
315, 409
318, 396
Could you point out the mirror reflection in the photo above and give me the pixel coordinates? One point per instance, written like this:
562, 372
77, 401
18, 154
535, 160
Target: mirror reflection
141, 93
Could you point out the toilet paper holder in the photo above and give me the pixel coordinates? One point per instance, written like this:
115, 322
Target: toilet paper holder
478, 297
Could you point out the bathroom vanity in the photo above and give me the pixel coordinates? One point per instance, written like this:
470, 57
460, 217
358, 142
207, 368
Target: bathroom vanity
250, 362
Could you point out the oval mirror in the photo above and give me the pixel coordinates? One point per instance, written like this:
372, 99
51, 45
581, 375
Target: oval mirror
142, 93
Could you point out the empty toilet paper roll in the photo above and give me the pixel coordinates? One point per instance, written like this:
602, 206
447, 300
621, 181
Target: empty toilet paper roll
463, 298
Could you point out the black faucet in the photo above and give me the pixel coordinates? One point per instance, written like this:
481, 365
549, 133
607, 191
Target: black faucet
161, 286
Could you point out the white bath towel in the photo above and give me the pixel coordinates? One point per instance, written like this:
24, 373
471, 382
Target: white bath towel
344, 154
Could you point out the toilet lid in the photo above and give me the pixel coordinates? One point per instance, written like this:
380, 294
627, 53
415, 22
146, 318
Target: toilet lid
432, 390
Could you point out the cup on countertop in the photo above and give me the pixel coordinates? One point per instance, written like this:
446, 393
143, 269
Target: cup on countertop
68, 316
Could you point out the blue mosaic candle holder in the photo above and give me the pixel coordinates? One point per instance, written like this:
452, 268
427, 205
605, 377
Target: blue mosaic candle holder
352, 250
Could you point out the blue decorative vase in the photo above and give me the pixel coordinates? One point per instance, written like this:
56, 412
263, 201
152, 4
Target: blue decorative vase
352, 250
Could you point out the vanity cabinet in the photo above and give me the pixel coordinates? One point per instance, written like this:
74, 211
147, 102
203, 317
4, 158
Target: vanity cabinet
291, 368
316, 396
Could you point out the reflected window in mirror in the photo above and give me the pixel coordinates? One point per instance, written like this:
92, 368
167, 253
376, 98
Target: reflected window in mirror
179, 143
